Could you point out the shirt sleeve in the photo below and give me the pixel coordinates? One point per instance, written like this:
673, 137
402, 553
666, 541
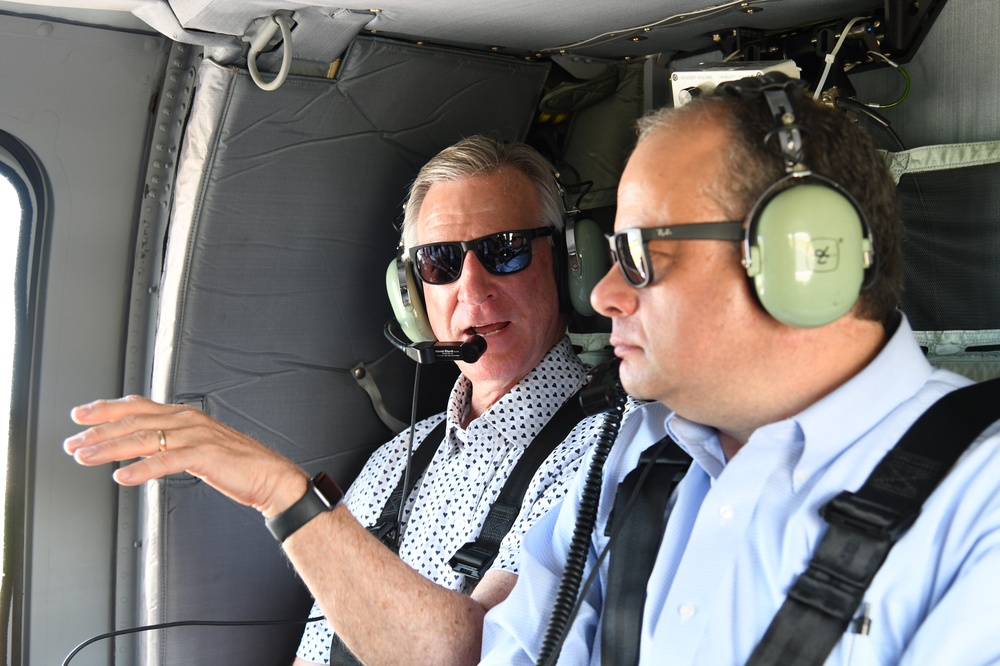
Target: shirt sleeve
367, 495
365, 498
314, 646
515, 628
962, 530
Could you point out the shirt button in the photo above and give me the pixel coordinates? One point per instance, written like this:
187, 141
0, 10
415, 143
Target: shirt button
800, 477
686, 611
726, 513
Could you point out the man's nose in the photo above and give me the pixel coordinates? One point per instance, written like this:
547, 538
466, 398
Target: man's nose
612, 296
475, 283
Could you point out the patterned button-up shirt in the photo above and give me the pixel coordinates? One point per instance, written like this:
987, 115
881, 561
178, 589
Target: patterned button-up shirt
453, 496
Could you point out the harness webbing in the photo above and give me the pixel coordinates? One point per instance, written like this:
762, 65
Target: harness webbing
386, 528
641, 501
475, 557
864, 526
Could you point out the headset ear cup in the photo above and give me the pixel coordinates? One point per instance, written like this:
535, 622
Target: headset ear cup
587, 262
407, 305
808, 248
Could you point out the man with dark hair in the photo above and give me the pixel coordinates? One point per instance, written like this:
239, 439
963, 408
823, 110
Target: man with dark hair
784, 394
479, 228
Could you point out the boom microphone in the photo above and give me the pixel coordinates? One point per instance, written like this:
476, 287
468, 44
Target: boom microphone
432, 350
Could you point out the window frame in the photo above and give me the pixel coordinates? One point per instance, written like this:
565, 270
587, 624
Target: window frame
21, 167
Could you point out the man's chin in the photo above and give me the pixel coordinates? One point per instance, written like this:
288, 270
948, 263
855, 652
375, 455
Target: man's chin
632, 381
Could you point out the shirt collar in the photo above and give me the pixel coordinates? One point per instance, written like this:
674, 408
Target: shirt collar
851, 410
701, 442
520, 414
822, 430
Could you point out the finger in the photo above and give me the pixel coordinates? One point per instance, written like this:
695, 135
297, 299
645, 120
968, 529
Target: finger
242, 469
166, 418
140, 428
96, 446
147, 469
102, 411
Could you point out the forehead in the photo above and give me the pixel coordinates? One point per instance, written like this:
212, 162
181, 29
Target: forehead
477, 206
671, 176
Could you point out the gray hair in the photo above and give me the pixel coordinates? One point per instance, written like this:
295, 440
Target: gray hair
483, 155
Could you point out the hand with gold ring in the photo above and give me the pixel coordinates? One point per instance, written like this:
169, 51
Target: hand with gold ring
133, 428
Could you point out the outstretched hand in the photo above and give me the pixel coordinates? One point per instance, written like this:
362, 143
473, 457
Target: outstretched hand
169, 439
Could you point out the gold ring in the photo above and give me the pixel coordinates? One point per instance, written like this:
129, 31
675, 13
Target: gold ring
163, 439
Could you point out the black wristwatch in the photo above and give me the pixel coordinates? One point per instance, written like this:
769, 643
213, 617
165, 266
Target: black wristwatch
323, 494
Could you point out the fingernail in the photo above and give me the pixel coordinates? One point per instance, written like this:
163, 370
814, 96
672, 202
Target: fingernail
78, 411
85, 453
70, 443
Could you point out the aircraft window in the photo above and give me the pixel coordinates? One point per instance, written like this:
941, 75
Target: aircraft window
11, 218
20, 176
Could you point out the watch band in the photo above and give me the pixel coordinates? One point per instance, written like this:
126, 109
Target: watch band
322, 494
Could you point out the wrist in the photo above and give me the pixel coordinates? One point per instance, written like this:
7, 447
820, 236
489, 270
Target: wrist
286, 493
321, 495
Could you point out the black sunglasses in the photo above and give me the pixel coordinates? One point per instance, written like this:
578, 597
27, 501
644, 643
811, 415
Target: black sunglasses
629, 246
502, 253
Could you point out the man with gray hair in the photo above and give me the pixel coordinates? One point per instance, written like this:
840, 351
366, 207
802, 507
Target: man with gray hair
479, 231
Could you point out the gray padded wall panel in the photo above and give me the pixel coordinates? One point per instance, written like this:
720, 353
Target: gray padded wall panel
282, 294
954, 97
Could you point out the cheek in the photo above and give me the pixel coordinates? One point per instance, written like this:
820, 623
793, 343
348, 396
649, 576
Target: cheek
535, 288
719, 286
694, 314
440, 305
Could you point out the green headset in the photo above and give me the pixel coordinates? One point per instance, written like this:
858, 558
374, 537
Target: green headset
807, 244
580, 258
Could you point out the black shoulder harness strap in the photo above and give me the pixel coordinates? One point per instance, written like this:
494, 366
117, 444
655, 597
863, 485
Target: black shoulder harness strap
638, 516
863, 527
386, 528
475, 557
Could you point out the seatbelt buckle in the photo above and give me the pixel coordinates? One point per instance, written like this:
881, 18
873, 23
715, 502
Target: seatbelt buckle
856, 513
472, 560
859, 537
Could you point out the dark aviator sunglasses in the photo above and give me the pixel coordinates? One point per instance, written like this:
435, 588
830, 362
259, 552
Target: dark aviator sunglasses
629, 247
502, 253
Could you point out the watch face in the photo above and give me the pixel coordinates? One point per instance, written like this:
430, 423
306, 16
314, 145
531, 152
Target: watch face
328, 488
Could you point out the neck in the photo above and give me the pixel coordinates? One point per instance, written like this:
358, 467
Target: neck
812, 369
483, 396
487, 389
478, 406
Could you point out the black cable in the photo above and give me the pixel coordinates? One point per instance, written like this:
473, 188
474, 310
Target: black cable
612, 538
584, 187
409, 459
871, 114
576, 558
185, 623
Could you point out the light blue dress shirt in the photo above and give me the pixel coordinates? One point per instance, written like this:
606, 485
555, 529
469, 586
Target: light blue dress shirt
742, 531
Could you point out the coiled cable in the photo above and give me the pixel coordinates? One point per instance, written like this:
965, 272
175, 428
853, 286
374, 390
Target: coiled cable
576, 558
